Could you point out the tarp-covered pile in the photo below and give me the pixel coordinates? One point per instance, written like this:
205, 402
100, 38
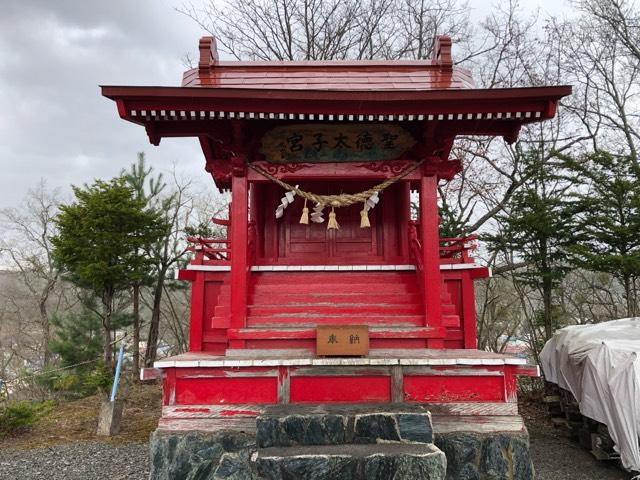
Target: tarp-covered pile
599, 365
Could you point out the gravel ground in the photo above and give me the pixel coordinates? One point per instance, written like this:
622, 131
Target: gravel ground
555, 456
80, 461
558, 457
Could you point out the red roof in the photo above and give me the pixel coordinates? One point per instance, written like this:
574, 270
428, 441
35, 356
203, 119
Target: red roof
353, 91
330, 75
363, 75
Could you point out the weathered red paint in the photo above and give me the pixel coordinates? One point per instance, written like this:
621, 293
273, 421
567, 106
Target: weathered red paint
349, 389
220, 390
445, 389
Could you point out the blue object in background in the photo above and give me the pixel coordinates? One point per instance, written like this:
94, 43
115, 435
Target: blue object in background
114, 390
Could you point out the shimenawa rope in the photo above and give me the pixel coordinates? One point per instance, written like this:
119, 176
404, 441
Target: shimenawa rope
342, 200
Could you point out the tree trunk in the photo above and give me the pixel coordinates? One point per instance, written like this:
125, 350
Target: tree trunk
154, 325
46, 333
626, 280
107, 352
547, 291
136, 330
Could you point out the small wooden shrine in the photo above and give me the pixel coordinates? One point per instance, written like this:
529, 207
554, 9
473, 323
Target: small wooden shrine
321, 158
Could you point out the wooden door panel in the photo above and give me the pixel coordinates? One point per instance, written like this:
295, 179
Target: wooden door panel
314, 244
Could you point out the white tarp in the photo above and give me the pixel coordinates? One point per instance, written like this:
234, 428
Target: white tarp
599, 365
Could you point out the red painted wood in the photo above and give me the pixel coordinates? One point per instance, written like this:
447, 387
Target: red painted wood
321, 171
220, 390
431, 254
168, 386
239, 257
274, 333
443, 389
340, 102
340, 389
469, 312
186, 275
197, 313
202, 372
510, 384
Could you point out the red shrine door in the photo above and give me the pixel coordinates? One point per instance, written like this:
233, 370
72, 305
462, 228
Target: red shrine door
313, 244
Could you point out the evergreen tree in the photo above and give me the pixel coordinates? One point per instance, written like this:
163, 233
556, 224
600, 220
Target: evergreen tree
147, 188
98, 238
78, 337
607, 208
537, 227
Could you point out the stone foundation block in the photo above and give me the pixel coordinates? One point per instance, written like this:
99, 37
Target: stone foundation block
389, 461
486, 456
201, 455
342, 424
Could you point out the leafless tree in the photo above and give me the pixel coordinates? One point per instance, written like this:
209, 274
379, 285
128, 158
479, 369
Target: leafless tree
25, 247
183, 208
334, 29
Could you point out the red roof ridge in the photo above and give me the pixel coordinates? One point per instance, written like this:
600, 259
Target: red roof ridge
427, 74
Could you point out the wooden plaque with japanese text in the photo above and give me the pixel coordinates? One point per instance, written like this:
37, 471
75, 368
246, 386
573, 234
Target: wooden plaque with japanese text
342, 340
335, 143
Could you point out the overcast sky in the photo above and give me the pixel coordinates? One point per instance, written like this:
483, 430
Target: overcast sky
54, 124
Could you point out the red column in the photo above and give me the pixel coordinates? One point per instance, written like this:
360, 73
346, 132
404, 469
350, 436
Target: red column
197, 311
431, 257
239, 223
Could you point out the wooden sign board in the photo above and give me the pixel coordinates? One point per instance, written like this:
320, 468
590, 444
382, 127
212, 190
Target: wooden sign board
335, 143
342, 340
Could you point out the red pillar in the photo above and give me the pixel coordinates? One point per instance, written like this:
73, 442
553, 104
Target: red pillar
196, 324
431, 258
239, 258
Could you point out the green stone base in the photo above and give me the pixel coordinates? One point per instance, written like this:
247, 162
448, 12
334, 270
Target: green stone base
203, 455
486, 456
232, 455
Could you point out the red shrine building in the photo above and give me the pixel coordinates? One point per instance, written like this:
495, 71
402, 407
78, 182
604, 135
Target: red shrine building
326, 162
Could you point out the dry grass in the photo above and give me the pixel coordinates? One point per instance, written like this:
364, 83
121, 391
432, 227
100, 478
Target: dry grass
77, 421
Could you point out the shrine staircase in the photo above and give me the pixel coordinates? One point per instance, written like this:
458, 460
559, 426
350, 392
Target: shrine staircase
284, 308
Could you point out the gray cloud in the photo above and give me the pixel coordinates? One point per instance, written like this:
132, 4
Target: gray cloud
54, 124
53, 55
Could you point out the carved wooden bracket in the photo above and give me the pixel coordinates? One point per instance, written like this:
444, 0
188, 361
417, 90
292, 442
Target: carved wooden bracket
394, 167
275, 169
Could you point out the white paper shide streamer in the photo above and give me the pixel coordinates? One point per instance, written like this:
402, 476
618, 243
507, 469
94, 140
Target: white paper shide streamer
284, 203
316, 215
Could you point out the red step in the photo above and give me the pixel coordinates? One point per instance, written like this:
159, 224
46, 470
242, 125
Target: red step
331, 277
310, 333
337, 288
329, 308
293, 298
312, 320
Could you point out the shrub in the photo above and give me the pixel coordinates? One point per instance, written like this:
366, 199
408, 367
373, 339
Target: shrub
99, 379
17, 416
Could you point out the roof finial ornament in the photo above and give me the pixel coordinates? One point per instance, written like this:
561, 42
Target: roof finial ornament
442, 53
208, 54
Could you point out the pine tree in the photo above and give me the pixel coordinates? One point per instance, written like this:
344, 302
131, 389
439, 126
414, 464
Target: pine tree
147, 188
606, 202
537, 228
98, 238
77, 338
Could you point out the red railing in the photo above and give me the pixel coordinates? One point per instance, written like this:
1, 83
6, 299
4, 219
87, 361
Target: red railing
457, 250
217, 250
452, 249
210, 249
